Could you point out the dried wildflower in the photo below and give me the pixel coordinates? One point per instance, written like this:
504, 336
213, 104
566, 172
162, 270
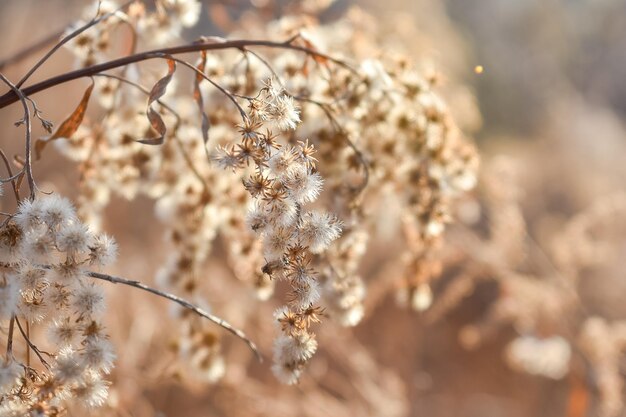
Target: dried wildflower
88, 300
318, 230
92, 390
9, 296
97, 354
103, 251
57, 211
10, 372
303, 186
74, 239
371, 128
284, 113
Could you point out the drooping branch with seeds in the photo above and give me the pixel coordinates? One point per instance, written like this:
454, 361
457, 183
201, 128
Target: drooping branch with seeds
277, 152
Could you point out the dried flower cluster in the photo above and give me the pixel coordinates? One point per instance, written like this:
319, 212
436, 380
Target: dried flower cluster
45, 253
290, 157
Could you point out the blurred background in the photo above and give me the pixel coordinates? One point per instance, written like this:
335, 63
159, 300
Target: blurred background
550, 101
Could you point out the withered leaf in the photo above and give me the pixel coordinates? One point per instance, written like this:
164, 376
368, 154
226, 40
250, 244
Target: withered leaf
317, 58
155, 119
197, 95
69, 125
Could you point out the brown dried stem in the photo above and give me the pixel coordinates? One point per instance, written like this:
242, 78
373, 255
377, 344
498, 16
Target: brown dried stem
31, 345
26, 120
220, 322
68, 38
11, 96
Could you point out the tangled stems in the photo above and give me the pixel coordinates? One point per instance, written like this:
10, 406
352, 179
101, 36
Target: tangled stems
27, 121
11, 96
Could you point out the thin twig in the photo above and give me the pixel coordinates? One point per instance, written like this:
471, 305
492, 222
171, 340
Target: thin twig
220, 322
227, 93
10, 337
340, 130
143, 90
68, 38
28, 163
35, 349
178, 121
29, 50
11, 97
16, 190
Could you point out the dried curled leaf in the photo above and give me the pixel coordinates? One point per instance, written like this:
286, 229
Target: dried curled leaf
69, 125
156, 121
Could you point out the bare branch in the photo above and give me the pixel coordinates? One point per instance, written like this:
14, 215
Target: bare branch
12, 97
26, 120
220, 322
68, 38
35, 349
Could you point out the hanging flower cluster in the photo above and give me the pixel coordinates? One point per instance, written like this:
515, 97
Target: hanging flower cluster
45, 254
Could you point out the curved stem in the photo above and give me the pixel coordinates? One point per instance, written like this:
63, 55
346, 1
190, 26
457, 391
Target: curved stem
11, 97
28, 157
220, 322
68, 38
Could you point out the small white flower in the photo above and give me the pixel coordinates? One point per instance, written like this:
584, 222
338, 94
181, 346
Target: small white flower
68, 367
286, 373
74, 239
98, 354
63, 332
29, 214
103, 251
56, 210
30, 276
318, 230
9, 374
284, 113
9, 296
303, 186
93, 390
88, 300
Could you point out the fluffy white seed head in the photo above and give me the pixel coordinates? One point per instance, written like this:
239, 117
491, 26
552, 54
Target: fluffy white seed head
9, 375
103, 251
74, 239
276, 242
293, 349
92, 391
287, 373
284, 113
9, 296
30, 276
38, 247
98, 355
88, 300
68, 367
56, 211
303, 186
63, 332
29, 214
305, 293
318, 230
